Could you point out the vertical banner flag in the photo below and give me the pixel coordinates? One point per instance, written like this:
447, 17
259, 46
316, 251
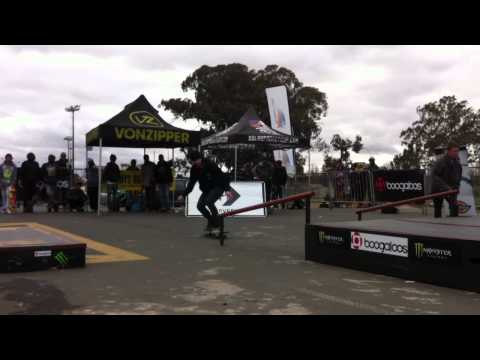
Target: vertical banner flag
280, 120
466, 199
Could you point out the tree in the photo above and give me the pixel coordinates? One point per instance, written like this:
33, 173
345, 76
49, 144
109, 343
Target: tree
223, 93
408, 159
440, 122
343, 145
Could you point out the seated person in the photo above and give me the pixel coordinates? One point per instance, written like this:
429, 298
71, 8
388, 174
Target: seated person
76, 198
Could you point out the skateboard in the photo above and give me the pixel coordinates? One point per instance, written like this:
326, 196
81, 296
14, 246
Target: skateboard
12, 200
215, 234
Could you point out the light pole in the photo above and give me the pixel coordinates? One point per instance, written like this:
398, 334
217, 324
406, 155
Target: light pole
72, 109
68, 139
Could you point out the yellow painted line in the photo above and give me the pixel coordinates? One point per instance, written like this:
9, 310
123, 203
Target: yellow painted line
110, 253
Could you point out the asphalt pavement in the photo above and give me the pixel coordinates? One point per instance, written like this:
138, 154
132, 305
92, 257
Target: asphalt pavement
260, 270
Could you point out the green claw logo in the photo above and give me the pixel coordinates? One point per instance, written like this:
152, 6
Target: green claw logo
61, 258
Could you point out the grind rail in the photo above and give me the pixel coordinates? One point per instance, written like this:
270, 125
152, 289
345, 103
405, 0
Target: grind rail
403, 202
300, 196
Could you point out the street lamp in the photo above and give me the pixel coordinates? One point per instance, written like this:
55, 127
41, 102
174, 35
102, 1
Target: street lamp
72, 109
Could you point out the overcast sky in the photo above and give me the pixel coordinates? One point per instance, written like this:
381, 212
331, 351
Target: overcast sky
372, 91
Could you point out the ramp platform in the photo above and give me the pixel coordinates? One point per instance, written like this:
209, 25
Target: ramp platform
443, 252
24, 247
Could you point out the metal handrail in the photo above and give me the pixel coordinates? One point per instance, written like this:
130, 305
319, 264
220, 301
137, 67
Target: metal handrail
402, 202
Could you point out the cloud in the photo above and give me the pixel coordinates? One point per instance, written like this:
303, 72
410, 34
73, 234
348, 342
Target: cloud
372, 91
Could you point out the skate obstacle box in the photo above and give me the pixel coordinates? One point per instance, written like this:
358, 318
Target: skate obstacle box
30, 247
443, 252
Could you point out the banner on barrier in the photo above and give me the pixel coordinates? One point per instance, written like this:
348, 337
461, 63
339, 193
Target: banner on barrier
130, 181
242, 194
396, 185
280, 121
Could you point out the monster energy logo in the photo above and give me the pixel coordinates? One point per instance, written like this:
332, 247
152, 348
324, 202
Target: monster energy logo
330, 239
61, 258
418, 250
422, 251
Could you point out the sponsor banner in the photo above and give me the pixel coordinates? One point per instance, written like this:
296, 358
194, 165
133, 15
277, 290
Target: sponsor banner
337, 238
396, 185
43, 253
242, 194
381, 244
434, 252
280, 120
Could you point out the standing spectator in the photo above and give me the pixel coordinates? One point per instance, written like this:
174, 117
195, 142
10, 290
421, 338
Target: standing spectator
264, 172
246, 172
64, 178
447, 175
279, 180
148, 178
8, 177
50, 173
92, 184
133, 166
111, 174
30, 175
371, 164
164, 178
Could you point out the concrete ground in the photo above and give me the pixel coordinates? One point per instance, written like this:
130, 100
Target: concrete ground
260, 270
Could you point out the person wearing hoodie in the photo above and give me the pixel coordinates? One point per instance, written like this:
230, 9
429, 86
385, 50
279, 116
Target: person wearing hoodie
8, 177
50, 176
148, 178
29, 176
212, 182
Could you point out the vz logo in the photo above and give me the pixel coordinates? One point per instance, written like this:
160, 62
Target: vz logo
232, 196
144, 119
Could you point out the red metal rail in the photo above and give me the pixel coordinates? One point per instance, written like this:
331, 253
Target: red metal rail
402, 202
270, 203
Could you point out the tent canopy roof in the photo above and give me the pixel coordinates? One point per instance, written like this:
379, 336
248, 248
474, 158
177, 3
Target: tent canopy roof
139, 125
250, 131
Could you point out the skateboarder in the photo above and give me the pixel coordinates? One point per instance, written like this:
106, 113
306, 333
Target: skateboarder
447, 175
8, 178
213, 183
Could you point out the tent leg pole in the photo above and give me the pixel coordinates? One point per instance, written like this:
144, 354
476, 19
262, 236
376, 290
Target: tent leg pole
236, 149
99, 178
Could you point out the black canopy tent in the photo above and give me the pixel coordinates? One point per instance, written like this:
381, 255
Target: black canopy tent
250, 132
138, 125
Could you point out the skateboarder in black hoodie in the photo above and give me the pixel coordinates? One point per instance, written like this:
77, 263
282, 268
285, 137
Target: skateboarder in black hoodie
213, 183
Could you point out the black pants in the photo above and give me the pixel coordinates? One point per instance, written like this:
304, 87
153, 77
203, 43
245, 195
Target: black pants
206, 205
29, 190
92, 193
268, 190
112, 199
277, 193
452, 204
150, 197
